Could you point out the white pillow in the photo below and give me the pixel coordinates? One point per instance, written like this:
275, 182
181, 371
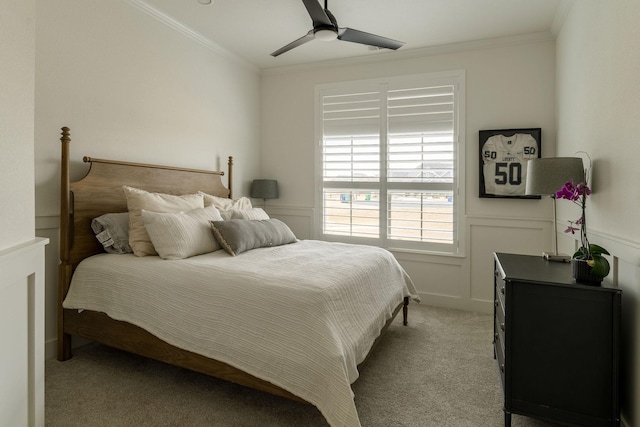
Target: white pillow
178, 235
253, 214
224, 204
137, 200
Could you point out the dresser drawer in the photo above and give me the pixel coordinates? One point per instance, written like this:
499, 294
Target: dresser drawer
499, 302
500, 283
500, 327
499, 350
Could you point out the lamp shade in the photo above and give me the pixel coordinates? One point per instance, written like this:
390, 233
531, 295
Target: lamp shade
264, 189
547, 175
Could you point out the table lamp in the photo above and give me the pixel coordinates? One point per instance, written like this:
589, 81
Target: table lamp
264, 189
545, 176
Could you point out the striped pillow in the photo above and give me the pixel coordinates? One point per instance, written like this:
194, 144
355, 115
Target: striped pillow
138, 199
178, 235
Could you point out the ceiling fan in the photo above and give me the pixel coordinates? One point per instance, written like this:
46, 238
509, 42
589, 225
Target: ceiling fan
325, 28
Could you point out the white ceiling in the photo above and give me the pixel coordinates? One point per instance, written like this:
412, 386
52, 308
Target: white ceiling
252, 29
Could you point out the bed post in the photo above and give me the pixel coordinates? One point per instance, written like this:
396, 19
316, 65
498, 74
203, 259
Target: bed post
230, 168
64, 268
405, 310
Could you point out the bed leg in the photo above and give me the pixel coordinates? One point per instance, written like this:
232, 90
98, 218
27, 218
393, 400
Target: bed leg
405, 311
64, 347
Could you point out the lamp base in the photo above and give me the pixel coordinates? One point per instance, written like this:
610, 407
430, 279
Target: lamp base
556, 257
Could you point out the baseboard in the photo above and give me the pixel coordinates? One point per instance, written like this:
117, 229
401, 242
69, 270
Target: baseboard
456, 303
51, 346
50, 349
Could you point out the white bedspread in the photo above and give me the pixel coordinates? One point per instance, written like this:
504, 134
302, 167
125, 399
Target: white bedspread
301, 316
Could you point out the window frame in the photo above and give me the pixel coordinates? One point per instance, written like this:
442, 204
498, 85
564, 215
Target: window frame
456, 78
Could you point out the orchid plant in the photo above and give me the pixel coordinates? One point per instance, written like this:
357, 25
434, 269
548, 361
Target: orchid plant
591, 253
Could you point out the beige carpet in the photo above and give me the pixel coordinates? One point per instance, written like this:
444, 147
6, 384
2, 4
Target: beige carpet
438, 371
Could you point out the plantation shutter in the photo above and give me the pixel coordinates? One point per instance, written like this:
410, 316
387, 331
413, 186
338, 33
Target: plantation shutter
389, 164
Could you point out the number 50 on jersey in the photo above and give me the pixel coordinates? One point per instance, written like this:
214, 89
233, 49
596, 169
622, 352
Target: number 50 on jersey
503, 161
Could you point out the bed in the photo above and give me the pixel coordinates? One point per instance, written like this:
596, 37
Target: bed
275, 317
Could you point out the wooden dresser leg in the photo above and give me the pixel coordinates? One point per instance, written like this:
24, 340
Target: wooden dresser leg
507, 419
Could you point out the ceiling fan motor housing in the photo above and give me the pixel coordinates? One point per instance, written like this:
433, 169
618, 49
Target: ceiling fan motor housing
325, 34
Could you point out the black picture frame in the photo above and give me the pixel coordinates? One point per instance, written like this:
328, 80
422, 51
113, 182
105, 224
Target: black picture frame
503, 167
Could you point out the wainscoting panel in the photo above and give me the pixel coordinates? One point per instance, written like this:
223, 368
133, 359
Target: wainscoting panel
489, 235
436, 277
49, 227
22, 331
299, 219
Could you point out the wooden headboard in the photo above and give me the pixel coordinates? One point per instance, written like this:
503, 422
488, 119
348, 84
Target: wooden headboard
100, 191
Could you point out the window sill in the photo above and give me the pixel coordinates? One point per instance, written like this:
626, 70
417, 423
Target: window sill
429, 256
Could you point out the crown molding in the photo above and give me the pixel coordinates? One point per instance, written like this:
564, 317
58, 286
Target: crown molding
399, 55
561, 16
188, 32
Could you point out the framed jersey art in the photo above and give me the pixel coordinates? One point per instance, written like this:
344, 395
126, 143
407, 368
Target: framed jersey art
503, 161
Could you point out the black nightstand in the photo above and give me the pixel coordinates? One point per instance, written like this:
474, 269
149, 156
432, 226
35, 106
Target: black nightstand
556, 343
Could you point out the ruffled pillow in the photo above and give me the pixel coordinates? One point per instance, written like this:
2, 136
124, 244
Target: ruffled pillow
112, 231
241, 235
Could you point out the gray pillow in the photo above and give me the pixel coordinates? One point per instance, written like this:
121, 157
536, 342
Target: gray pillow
241, 235
112, 231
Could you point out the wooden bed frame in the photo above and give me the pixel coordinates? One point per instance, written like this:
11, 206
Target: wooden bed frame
100, 192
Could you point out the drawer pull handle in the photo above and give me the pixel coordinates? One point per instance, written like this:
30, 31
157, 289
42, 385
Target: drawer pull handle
502, 291
502, 367
502, 326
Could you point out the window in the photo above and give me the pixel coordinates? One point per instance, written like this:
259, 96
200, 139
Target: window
390, 161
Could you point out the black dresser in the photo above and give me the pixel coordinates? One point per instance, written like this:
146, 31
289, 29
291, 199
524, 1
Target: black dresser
556, 343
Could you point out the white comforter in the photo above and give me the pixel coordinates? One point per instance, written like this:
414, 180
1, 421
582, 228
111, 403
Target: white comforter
301, 316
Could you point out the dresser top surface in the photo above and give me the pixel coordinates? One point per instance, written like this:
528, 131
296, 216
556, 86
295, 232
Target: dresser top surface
536, 269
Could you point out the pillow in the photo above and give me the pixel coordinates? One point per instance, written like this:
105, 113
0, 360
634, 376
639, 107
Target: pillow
154, 202
224, 204
178, 235
241, 235
253, 213
112, 231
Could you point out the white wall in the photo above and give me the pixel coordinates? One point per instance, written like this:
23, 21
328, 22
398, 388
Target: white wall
133, 88
17, 71
510, 83
21, 254
598, 64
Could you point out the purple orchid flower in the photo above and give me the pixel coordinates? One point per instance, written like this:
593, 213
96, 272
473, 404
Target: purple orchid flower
590, 252
571, 229
568, 191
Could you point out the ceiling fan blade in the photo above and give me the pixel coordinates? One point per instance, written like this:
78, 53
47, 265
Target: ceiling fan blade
356, 36
302, 40
317, 13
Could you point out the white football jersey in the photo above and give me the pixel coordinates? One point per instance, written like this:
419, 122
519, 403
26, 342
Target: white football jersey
505, 163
